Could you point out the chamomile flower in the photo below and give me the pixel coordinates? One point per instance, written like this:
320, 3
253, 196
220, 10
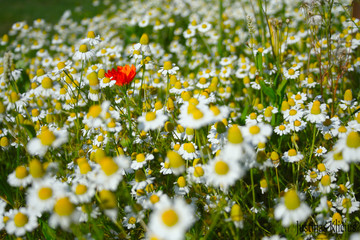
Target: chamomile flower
347, 204
109, 172
282, 129
83, 53
20, 177
325, 184
291, 73
316, 112
350, 147
292, 209
320, 151
256, 133
171, 219
292, 156
293, 114
83, 191
141, 160
189, 151
47, 138
20, 222
64, 213
41, 196
223, 173
152, 120
168, 68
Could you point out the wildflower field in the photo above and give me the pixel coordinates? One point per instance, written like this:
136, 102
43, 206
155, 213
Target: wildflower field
207, 119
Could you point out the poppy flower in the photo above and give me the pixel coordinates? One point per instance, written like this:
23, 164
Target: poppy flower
122, 75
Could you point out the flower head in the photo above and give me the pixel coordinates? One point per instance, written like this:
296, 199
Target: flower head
122, 75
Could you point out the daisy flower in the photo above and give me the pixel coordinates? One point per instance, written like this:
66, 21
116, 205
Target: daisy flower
171, 219
168, 68
152, 120
291, 73
292, 209
64, 213
320, 151
175, 161
109, 172
181, 188
282, 129
189, 151
223, 173
325, 184
293, 114
347, 204
292, 156
204, 27
316, 112
334, 161
196, 174
20, 222
41, 196
47, 138
20, 177
141, 160
83, 53
350, 147
256, 133
83, 191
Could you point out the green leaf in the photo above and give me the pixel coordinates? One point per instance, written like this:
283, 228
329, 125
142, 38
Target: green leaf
244, 114
258, 62
48, 232
268, 91
30, 130
281, 88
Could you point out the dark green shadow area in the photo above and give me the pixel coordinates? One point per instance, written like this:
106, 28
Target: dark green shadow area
50, 10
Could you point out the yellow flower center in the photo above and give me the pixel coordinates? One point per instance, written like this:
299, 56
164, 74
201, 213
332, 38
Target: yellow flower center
313, 174
263, 183
197, 114
221, 167
189, 147
35, 112
47, 137
93, 79
45, 193
36, 168
282, 127
236, 213
315, 109
150, 116
254, 130
169, 217
292, 152
353, 140
90, 34
215, 110
84, 167
108, 199
20, 219
154, 198
321, 167
21, 172
140, 157
292, 112
291, 200
108, 165
95, 111
348, 95
291, 71
144, 40
326, 180
198, 171
63, 207
346, 203
336, 219
175, 159
80, 189
181, 182
4, 142
46, 83
83, 48
132, 220
61, 65
13, 97
234, 135
167, 65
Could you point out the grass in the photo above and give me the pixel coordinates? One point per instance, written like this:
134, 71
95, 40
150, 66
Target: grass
30, 10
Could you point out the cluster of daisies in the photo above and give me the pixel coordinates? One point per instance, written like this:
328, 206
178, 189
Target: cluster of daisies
162, 120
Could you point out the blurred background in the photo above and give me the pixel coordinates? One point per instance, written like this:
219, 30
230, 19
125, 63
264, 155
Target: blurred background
50, 10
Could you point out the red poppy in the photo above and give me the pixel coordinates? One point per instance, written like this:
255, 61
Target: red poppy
122, 75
